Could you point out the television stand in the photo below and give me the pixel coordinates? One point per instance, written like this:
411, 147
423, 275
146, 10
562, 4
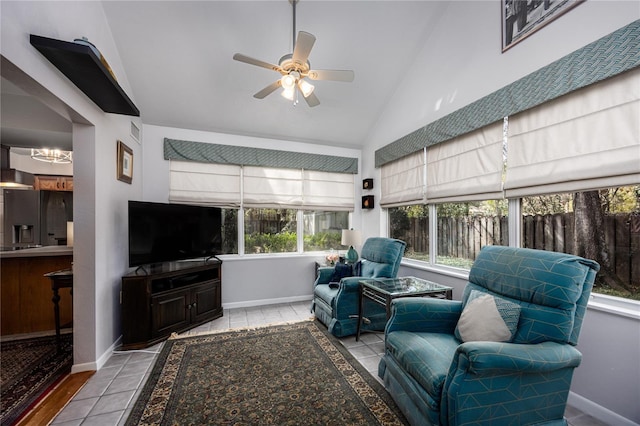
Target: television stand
173, 297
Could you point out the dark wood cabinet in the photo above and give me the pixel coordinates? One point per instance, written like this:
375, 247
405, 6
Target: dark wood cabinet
173, 297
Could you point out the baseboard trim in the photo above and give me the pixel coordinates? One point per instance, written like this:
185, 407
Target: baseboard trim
598, 411
97, 365
262, 302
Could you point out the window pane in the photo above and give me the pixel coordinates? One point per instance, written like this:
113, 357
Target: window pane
464, 228
229, 231
411, 225
600, 225
323, 230
270, 231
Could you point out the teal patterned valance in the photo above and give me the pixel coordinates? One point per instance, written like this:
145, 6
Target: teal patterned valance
602, 59
246, 156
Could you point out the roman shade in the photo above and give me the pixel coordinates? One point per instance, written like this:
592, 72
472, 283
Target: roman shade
468, 167
588, 139
204, 183
297, 189
403, 181
232, 186
271, 187
328, 191
237, 176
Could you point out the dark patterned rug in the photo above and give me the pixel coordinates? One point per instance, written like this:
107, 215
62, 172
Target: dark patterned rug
289, 374
29, 368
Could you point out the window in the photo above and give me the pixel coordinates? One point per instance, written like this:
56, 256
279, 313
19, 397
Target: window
411, 225
323, 229
464, 228
270, 231
603, 225
271, 198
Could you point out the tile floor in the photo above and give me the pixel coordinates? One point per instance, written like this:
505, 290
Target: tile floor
109, 395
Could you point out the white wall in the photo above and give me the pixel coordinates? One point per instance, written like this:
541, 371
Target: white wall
100, 253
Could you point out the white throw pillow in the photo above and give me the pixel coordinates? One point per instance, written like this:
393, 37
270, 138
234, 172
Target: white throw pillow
487, 318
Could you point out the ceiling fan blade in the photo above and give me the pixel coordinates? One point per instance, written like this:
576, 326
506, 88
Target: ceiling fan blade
268, 90
312, 100
251, 61
304, 43
333, 75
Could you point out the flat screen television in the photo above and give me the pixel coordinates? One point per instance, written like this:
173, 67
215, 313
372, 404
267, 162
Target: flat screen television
160, 232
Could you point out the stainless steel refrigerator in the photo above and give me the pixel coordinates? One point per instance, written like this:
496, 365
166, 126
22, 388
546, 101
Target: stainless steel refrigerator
36, 218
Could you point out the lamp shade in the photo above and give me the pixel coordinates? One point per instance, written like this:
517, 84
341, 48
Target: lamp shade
351, 237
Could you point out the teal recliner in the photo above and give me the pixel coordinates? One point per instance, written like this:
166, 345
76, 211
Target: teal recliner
336, 305
439, 368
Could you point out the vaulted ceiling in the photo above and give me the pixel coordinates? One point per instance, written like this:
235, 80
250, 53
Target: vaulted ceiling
178, 60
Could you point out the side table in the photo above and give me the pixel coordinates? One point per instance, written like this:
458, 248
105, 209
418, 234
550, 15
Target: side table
59, 279
384, 290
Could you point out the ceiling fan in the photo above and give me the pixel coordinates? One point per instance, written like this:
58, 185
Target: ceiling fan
295, 69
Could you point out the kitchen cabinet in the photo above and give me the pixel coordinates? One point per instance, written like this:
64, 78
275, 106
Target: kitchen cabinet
53, 183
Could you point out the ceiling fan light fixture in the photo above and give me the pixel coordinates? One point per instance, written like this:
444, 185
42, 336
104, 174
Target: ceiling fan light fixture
306, 88
288, 93
295, 68
288, 82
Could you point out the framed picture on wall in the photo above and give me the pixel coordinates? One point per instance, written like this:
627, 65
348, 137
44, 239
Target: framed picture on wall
521, 18
125, 163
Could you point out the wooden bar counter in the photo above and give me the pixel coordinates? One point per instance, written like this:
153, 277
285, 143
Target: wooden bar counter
26, 297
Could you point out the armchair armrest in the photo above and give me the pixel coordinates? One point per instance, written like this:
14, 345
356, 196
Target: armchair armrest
424, 315
484, 358
324, 275
350, 284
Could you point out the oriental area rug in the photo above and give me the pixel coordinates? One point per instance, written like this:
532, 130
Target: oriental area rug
29, 369
289, 374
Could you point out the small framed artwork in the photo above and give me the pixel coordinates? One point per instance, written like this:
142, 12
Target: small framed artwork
125, 163
521, 18
367, 202
367, 184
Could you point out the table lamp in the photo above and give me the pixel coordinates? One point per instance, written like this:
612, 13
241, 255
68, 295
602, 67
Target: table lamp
351, 238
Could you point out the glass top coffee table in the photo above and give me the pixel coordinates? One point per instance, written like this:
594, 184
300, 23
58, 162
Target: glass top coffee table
384, 290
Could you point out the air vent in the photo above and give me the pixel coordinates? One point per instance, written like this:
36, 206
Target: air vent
135, 132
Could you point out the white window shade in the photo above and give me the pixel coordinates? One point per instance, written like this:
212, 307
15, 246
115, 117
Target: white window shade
328, 191
204, 183
468, 167
588, 139
272, 188
403, 181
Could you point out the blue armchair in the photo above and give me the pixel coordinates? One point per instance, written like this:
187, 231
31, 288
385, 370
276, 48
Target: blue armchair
336, 305
444, 366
